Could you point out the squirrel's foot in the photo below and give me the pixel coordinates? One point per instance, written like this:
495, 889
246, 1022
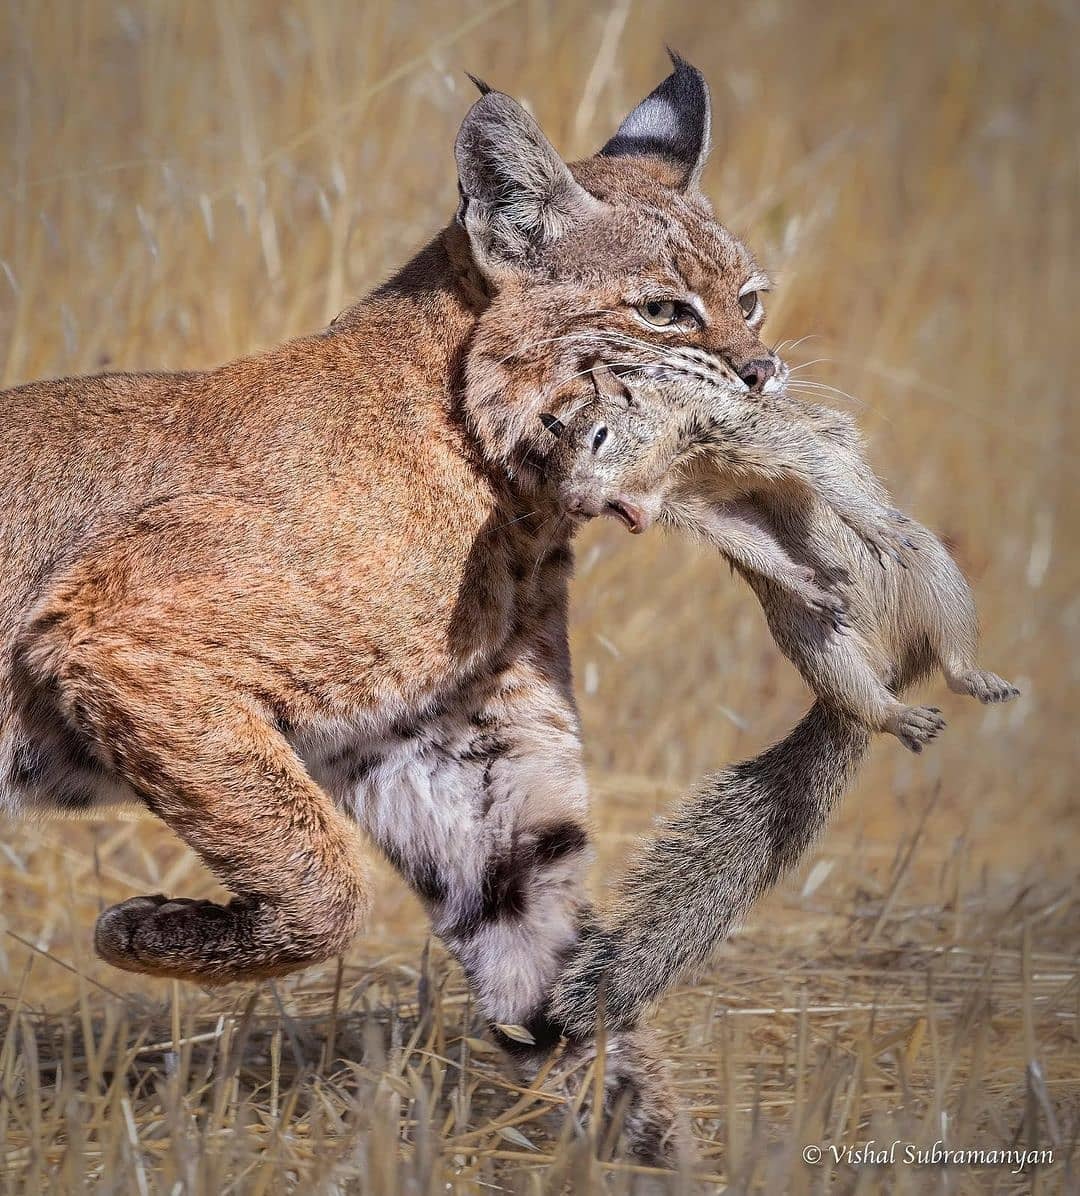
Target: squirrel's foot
828, 606
915, 726
830, 576
888, 539
984, 685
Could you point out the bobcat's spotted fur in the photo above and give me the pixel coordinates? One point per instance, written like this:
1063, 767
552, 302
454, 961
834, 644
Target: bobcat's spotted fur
322, 591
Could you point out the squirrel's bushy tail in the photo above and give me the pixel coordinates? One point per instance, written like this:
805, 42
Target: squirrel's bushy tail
728, 843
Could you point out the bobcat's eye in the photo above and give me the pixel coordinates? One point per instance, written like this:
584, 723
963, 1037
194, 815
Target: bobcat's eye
748, 303
659, 312
599, 436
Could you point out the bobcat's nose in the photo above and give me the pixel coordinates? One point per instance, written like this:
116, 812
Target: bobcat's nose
756, 373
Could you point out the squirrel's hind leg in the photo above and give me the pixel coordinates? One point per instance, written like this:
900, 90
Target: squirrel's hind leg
914, 726
981, 684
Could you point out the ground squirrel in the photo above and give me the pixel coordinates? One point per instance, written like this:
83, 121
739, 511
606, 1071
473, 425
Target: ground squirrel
862, 599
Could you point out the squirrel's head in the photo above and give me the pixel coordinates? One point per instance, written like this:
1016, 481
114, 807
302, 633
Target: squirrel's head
616, 260
610, 453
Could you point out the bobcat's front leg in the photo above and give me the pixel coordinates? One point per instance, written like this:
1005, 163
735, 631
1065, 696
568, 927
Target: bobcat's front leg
498, 849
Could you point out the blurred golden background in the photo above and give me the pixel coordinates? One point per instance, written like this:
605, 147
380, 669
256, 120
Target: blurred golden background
183, 184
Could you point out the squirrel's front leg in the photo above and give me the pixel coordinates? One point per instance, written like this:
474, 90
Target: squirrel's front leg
830, 477
740, 531
773, 447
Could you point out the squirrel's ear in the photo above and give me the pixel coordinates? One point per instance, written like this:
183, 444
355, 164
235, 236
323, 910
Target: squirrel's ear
671, 123
517, 194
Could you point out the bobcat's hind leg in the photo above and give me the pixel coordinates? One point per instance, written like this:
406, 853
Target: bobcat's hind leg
217, 771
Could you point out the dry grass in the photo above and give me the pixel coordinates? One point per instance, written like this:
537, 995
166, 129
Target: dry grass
184, 183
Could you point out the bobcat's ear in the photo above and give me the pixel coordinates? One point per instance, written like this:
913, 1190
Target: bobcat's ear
671, 123
517, 194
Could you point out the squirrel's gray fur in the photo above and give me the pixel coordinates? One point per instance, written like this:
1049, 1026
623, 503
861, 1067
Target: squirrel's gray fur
796, 471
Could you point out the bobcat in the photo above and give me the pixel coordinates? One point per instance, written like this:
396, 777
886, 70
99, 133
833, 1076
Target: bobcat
781, 488
320, 593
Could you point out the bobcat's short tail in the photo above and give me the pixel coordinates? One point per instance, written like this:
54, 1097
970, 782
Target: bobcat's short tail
731, 841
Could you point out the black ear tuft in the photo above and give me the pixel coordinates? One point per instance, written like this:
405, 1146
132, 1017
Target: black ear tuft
482, 87
672, 123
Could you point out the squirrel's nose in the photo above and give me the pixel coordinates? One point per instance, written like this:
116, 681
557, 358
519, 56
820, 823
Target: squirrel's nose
580, 500
756, 373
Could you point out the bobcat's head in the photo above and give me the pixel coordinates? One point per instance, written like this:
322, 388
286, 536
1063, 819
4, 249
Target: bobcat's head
616, 260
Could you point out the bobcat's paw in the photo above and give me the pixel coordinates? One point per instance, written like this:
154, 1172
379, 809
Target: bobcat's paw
641, 1116
984, 685
916, 726
166, 936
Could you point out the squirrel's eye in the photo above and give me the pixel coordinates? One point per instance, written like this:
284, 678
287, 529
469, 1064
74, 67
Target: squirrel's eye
553, 424
599, 436
659, 312
748, 303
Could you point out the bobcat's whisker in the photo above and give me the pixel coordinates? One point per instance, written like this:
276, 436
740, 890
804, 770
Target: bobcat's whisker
563, 338
516, 519
624, 339
789, 345
600, 336
566, 415
808, 387
805, 365
582, 373
540, 555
